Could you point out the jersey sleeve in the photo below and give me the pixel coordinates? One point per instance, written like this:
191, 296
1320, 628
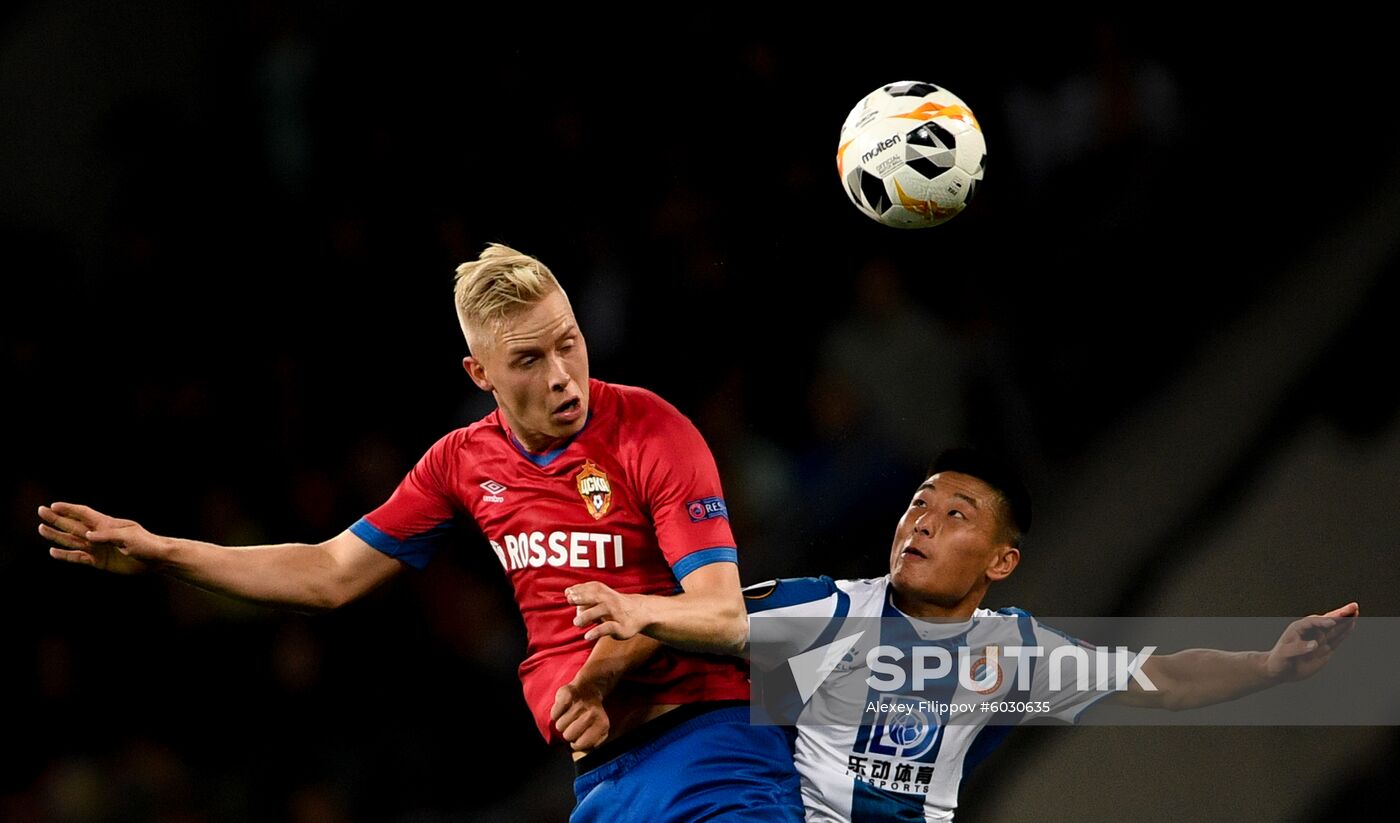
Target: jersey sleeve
411, 525
793, 615
1074, 674
680, 485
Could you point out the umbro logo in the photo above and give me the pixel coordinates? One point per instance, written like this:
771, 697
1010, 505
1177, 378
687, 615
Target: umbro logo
493, 492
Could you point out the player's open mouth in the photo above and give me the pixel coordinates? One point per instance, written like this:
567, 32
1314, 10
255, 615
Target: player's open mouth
913, 551
570, 411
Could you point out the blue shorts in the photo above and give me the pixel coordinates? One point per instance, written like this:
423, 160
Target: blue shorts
714, 766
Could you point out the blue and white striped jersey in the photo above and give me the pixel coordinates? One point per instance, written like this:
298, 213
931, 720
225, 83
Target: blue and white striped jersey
881, 733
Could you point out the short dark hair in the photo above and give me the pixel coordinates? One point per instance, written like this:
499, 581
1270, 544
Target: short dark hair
997, 473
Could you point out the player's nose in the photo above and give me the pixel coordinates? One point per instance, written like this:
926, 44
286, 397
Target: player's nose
558, 375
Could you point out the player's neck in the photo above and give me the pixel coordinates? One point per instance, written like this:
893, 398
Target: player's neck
927, 610
538, 444
532, 442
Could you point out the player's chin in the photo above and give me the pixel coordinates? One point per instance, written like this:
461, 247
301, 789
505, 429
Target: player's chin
911, 576
569, 429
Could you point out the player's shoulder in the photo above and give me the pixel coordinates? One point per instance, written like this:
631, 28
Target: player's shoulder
645, 422
790, 591
468, 441
865, 596
787, 591
1026, 624
461, 437
633, 403
1006, 622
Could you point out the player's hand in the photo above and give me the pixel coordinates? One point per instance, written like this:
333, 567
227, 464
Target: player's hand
578, 715
86, 536
617, 615
1307, 644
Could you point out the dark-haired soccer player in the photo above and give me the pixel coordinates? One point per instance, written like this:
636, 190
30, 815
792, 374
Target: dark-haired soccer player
879, 754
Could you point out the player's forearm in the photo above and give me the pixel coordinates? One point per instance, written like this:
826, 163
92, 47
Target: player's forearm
695, 621
300, 575
610, 659
1202, 677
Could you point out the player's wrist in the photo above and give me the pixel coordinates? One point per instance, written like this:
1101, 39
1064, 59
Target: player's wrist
168, 553
594, 686
1265, 667
643, 613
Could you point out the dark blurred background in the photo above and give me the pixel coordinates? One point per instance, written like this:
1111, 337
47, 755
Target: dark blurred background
231, 231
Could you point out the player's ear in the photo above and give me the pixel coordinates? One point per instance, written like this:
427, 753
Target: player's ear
1004, 563
477, 373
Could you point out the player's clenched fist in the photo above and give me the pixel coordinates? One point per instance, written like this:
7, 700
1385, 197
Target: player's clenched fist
615, 614
579, 716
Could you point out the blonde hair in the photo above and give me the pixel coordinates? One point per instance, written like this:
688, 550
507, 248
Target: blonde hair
497, 285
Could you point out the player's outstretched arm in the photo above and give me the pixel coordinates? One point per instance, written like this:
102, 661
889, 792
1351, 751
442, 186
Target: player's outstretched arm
1201, 677
709, 616
304, 575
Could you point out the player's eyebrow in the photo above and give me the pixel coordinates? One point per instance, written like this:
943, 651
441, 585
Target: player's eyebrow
547, 339
536, 346
930, 487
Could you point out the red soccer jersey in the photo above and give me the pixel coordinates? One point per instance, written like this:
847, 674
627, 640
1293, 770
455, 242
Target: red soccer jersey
633, 500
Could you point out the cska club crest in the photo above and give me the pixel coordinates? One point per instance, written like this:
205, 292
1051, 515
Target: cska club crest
597, 492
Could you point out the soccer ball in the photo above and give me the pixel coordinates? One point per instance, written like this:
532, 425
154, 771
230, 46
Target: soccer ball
911, 155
